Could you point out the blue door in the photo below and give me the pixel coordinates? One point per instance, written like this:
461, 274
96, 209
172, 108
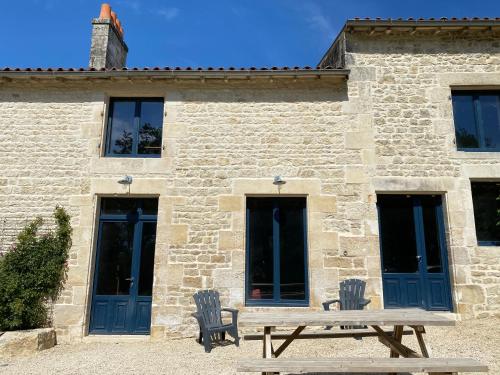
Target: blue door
413, 251
123, 277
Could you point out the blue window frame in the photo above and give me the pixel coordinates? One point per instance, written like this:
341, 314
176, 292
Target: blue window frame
477, 120
276, 252
485, 199
134, 127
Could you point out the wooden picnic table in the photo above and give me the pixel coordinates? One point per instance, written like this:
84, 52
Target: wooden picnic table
416, 319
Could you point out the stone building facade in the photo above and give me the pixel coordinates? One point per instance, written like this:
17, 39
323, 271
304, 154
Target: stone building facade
375, 118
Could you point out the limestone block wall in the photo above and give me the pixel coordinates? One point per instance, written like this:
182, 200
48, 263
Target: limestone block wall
389, 128
232, 142
222, 142
409, 79
44, 153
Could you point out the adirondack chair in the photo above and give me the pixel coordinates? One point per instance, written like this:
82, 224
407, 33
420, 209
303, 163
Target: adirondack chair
351, 297
209, 317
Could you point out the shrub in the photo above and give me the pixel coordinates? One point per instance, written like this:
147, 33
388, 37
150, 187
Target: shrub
32, 274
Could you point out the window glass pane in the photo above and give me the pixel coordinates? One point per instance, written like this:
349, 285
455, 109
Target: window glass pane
125, 206
115, 258
431, 233
490, 111
122, 127
147, 258
150, 127
260, 262
486, 204
150, 206
397, 232
465, 121
118, 206
292, 247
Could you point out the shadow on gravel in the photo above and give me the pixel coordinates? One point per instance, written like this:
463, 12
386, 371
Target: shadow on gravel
218, 344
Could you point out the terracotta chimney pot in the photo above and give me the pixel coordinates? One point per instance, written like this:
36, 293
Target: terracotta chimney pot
113, 17
105, 12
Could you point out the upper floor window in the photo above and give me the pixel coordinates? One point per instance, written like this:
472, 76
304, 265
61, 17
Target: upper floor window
134, 127
477, 120
485, 199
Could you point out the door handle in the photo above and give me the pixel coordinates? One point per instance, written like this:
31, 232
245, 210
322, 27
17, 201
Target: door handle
131, 279
419, 258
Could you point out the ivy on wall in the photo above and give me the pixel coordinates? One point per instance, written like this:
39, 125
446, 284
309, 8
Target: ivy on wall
32, 274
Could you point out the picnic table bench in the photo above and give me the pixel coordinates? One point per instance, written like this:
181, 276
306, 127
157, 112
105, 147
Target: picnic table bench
411, 361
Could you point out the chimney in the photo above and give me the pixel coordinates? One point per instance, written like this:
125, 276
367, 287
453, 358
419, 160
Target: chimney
108, 49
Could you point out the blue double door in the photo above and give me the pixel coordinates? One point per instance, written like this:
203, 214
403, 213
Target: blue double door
413, 252
123, 276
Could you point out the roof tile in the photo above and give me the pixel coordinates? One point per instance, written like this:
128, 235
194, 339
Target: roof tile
157, 68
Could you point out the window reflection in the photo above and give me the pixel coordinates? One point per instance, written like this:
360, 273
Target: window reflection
477, 120
276, 266
115, 259
122, 127
485, 199
135, 127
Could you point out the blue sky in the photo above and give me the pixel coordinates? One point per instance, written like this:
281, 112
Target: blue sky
50, 33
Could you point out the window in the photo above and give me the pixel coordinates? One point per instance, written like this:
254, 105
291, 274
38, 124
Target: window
135, 127
485, 197
276, 267
477, 120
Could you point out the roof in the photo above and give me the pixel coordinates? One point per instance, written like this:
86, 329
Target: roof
443, 21
174, 72
381, 26
421, 24
371, 25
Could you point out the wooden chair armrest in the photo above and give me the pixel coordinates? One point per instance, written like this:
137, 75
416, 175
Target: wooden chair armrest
326, 305
365, 302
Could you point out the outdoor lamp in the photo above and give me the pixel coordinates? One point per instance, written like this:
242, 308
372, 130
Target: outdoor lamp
278, 181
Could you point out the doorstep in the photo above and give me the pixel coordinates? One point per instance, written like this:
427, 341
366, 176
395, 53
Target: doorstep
115, 338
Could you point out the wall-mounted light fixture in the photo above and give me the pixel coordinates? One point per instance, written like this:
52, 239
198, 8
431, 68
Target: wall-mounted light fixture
278, 181
127, 180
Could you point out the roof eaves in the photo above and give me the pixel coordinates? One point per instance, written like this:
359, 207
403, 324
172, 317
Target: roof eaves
443, 21
171, 73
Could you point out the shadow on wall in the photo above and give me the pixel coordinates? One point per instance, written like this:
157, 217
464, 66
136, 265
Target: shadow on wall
254, 91
431, 44
314, 92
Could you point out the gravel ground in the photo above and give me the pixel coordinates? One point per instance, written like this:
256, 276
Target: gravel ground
478, 339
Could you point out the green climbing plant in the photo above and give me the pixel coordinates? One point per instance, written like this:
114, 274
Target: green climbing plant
33, 273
